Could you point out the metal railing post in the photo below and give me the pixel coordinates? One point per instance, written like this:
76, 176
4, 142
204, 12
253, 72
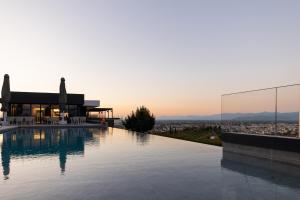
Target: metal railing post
276, 110
221, 123
299, 124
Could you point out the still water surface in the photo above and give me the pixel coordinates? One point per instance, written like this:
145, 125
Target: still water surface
116, 164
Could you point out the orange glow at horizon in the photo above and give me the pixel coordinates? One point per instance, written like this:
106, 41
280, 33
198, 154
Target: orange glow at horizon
171, 109
132, 53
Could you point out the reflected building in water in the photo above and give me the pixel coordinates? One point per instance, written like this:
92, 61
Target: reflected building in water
30, 143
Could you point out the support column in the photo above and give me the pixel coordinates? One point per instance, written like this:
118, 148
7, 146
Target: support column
40, 113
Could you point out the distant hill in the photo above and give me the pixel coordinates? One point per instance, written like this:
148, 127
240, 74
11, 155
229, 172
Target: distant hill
192, 117
263, 116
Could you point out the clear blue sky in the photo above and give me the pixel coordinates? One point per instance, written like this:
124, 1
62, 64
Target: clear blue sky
176, 57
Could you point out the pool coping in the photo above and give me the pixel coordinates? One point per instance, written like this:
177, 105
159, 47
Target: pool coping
262, 141
186, 140
9, 128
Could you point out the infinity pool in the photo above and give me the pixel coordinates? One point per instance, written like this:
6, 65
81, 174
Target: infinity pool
116, 164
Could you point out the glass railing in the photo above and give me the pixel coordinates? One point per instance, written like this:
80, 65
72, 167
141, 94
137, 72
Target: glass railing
272, 111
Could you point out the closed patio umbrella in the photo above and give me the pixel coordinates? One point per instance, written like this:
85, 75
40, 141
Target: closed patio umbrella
5, 98
63, 99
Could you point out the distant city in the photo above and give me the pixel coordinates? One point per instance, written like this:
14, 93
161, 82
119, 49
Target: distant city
283, 128
248, 123
259, 116
179, 125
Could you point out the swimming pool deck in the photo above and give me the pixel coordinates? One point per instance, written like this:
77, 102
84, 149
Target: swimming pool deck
7, 128
86, 125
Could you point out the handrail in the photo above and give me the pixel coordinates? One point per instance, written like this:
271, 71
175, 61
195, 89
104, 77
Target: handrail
257, 90
277, 124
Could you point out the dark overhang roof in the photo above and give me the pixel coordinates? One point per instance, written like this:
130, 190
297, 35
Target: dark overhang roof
44, 98
99, 109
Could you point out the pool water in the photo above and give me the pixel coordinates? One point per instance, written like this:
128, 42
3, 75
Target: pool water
117, 164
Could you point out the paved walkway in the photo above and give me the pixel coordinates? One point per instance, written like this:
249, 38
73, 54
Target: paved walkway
7, 128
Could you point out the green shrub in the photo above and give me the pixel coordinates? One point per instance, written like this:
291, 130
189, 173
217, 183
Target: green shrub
141, 120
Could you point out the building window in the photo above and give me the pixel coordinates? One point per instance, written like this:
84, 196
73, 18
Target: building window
72, 110
36, 112
54, 111
26, 110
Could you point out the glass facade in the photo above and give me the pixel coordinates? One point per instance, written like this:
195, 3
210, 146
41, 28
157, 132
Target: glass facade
72, 110
42, 112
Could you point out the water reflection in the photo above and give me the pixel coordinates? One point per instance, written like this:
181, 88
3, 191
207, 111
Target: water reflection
123, 168
5, 155
35, 143
274, 172
141, 138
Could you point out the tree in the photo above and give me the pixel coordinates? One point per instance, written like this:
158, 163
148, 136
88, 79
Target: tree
141, 120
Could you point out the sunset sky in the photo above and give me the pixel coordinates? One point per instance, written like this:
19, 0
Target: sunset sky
174, 56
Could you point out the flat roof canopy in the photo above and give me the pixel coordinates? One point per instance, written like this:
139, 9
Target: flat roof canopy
91, 103
99, 109
44, 98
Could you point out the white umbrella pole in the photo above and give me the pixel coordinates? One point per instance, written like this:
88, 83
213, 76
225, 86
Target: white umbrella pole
62, 116
4, 123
